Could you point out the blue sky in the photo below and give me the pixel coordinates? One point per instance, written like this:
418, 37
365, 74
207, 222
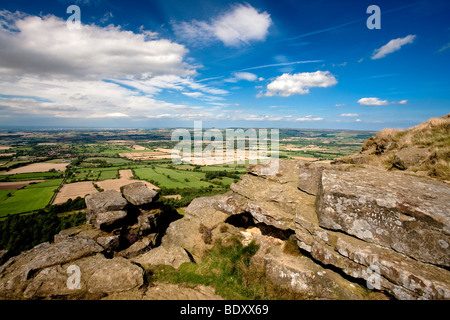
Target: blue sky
296, 64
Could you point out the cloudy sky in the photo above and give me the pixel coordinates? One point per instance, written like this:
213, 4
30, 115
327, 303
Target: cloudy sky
167, 63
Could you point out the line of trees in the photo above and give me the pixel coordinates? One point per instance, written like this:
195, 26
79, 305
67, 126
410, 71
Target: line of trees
23, 232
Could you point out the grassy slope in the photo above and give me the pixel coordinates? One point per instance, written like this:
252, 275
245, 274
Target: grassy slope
433, 136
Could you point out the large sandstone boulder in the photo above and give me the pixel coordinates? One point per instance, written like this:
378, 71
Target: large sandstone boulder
173, 256
98, 275
105, 209
395, 273
138, 194
271, 202
380, 218
302, 275
109, 200
15, 273
409, 214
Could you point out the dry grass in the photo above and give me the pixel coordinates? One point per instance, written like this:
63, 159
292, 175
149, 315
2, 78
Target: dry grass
432, 136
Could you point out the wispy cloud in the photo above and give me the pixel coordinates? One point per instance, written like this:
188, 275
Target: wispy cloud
281, 64
309, 118
349, 115
392, 46
347, 23
444, 47
237, 76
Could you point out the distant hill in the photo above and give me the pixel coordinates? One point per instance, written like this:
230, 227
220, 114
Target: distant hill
423, 149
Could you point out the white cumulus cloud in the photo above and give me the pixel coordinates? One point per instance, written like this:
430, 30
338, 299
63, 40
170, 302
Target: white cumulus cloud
392, 46
94, 72
373, 101
242, 24
299, 83
309, 118
237, 76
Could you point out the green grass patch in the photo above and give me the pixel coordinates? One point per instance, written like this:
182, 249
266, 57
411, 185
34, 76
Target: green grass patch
94, 174
32, 197
4, 194
31, 176
113, 161
171, 178
227, 268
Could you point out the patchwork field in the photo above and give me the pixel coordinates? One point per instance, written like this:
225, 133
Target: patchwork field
32, 197
74, 190
83, 188
37, 167
171, 178
16, 184
109, 159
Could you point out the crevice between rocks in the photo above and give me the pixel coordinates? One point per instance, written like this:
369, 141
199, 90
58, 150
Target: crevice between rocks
245, 220
386, 248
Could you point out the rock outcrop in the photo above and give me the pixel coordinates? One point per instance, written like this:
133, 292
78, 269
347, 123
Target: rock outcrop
390, 230
405, 213
362, 233
99, 252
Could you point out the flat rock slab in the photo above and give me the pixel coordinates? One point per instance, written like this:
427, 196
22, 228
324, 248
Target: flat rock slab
98, 275
409, 214
167, 291
400, 276
17, 270
138, 194
172, 256
281, 171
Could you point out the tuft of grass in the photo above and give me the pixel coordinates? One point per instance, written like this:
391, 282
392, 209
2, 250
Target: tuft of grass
291, 247
229, 270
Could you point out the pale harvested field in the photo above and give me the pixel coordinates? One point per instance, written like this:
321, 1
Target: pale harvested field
126, 174
139, 148
16, 184
115, 184
4, 147
74, 190
305, 158
169, 151
145, 155
38, 167
173, 196
120, 142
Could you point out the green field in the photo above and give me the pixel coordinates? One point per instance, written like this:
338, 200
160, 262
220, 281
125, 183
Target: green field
32, 197
94, 174
31, 176
170, 178
115, 161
